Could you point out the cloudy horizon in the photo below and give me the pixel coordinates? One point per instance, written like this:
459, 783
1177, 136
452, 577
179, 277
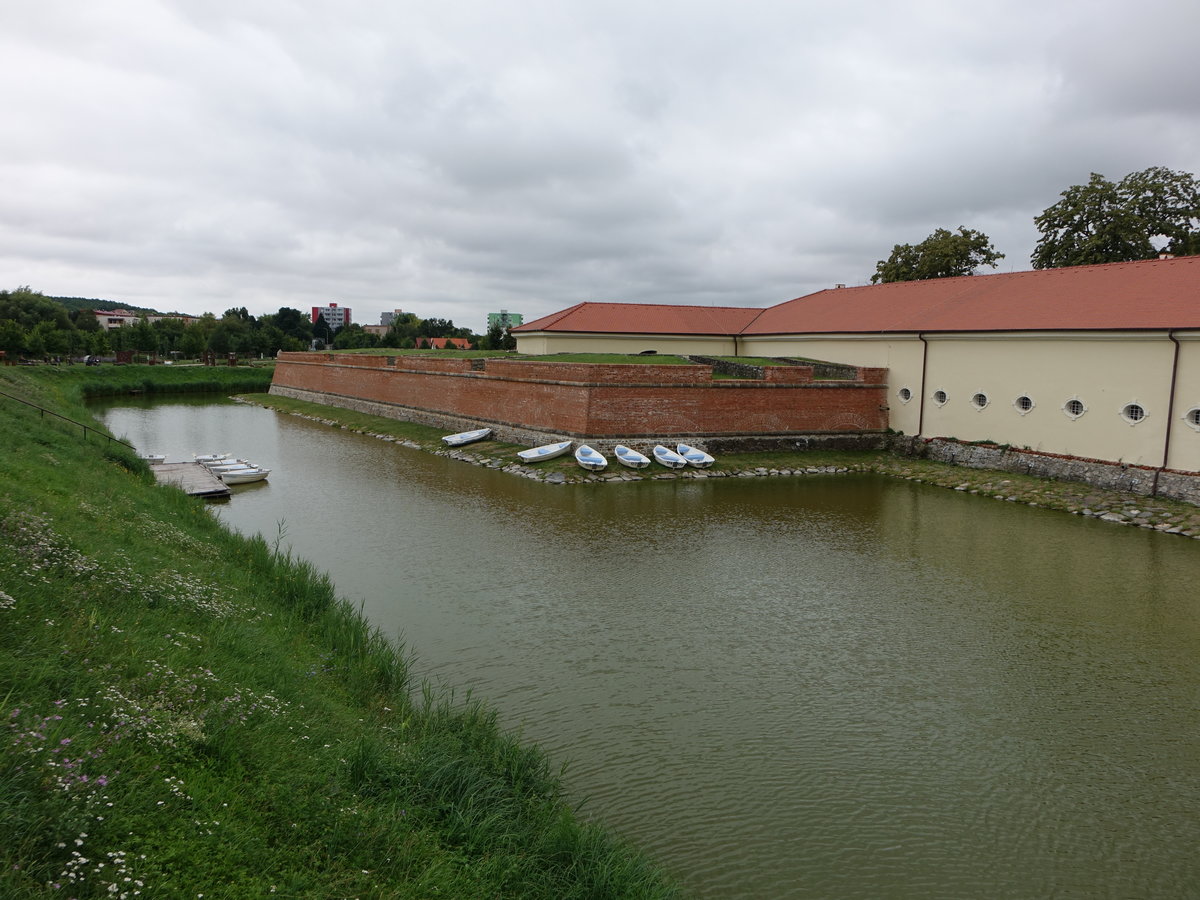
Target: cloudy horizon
457, 159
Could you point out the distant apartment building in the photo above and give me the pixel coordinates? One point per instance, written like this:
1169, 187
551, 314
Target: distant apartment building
119, 318
504, 319
335, 316
388, 318
380, 330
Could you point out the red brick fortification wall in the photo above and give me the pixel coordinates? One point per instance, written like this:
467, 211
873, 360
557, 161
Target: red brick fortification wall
596, 401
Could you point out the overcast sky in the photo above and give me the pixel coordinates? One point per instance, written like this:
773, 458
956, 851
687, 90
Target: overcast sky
456, 157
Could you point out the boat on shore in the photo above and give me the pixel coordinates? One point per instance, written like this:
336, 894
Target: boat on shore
466, 437
590, 459
546, 451
668, 457
694, 456
627, 456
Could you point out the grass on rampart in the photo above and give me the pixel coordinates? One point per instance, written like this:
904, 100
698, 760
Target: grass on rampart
636, 359
187, 712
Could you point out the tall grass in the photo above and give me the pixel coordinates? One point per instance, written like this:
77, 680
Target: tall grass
188, 711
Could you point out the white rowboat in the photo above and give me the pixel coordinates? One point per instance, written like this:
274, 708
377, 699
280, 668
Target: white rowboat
627, 456
546, 451
244, 476
209, 457
668, 457
694, 456
589, 458
466, 437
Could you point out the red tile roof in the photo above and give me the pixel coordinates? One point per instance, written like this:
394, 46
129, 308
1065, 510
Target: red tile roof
644, 318
1115, 296
1153, 294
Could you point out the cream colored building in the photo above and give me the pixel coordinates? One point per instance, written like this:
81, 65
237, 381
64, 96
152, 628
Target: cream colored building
1099, 362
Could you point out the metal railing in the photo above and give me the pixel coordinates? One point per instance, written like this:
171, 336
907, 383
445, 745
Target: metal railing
86, 428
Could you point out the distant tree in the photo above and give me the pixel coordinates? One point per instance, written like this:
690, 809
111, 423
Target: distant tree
944, 254
494, 339
98, 343
28, 308
354, 336
321, 330
436, 328
291, 322
12, 336
85, 320
142, 336
1103, 221
508, 342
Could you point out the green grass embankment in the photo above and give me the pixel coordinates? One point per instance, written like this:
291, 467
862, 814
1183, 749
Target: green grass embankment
78, 382
188, 712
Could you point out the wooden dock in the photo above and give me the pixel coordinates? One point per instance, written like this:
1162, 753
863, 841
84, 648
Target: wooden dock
192, 478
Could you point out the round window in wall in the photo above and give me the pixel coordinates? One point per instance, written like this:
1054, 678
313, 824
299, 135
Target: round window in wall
980, 400
940, 397
1192, 417
1133, 413
1023, 404
904, 394
1074, 408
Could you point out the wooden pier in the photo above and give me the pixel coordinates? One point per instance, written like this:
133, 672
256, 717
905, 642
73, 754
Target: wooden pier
192, 478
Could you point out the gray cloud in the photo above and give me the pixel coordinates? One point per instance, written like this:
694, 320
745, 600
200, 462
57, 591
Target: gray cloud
454, 159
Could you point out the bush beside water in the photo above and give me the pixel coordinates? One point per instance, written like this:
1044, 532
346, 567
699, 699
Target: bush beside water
190, 712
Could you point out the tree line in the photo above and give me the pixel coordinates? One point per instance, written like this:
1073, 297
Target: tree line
35, 325
1142, 215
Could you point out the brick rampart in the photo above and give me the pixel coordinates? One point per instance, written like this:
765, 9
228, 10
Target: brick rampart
521, 398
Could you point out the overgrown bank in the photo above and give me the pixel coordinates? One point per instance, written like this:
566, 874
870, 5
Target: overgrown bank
190, 712
1161, 514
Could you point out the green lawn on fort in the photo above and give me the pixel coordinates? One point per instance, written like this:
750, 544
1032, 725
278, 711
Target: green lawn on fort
188, 712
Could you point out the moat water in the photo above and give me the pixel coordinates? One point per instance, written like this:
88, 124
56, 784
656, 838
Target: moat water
816, 687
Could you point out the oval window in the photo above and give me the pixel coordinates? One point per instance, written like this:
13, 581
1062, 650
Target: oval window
1192, 417
980, 400
1074, 408
904, 394
939, 397
1024, 404
1133, 413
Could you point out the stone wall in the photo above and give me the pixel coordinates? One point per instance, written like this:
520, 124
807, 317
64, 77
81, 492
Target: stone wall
1110, 476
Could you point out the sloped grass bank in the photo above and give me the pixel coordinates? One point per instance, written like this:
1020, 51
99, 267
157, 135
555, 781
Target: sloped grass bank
189, 712
109, 381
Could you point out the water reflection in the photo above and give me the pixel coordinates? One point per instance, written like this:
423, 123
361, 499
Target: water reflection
812, 687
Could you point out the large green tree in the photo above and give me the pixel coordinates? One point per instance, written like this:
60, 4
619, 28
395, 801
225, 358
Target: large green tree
1105, 221
944, 254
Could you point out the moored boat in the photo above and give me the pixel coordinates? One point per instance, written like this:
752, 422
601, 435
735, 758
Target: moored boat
589, 458
466, 437
668, 457
546, 451
203, 458
228, 464
627, 456
694, 456
153, 458
244, 476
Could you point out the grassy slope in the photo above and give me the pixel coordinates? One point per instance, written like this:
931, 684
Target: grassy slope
188, 712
